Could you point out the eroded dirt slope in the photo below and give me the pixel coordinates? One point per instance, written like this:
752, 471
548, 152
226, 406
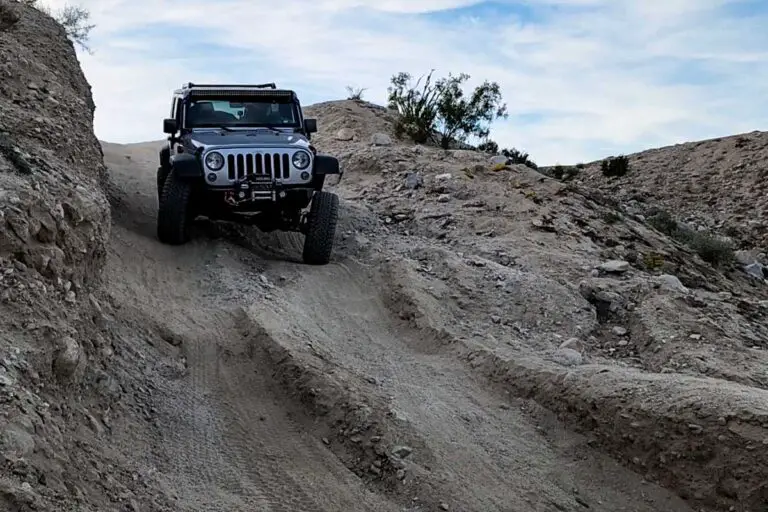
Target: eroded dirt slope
716, 184
62, 370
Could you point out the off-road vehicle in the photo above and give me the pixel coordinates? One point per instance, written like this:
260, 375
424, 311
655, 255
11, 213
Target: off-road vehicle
242, 153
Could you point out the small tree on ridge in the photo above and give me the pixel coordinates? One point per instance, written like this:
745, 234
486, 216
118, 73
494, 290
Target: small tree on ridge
443, 109
460, 116
73, 18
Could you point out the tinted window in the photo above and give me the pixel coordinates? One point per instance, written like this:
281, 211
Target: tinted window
204, 112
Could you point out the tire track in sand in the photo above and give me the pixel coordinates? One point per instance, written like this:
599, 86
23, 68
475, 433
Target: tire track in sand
473, 453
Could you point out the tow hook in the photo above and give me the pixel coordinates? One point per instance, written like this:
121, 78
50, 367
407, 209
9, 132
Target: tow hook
239, 195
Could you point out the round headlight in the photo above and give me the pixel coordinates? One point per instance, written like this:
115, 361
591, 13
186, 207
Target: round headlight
301, 159
214, 161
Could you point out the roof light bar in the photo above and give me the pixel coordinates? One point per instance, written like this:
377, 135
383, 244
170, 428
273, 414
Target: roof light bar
269, 85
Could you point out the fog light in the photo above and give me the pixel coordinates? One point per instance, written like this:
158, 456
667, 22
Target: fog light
212, 176
305, 175
283, 194
241, 195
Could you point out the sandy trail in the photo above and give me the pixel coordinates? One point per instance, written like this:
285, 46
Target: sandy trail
225, 439
228, 436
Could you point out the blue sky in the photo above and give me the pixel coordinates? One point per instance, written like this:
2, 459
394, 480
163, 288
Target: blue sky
582, 79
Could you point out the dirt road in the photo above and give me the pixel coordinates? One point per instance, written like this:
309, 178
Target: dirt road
235, 430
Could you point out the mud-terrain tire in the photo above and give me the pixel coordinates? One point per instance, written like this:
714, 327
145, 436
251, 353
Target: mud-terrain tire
321, 228
174, 213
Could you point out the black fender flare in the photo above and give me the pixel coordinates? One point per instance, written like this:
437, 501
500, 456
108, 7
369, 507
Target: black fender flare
325, 164
186, 166
165, 157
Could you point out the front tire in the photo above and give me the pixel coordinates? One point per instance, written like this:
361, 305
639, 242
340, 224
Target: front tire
174, 212
321, 228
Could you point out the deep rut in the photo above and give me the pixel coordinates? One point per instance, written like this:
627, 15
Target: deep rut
480, 452
225, 436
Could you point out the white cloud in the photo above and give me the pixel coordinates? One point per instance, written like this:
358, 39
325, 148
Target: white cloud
594, 75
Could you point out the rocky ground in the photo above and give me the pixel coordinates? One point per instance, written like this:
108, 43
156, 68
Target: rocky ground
483, 339
717, 185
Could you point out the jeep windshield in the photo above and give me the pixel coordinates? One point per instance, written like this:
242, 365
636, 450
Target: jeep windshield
225, 114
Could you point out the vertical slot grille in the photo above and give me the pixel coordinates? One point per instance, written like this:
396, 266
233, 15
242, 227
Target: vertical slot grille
248, 164
241, 165
286, 166
231, 167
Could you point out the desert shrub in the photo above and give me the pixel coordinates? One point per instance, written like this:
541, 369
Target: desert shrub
516, 156
580, 165
417, 108
513, 155
563, 173
664, 222
570, 173
73, 18
460, 117
489, 146
355, 94
653, 260
615, 166
441, 110
610, 217
709, 247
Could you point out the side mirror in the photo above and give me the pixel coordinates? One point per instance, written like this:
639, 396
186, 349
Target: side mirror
310, 125
170, 126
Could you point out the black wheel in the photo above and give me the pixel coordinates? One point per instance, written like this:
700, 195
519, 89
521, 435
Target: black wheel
321, 228
174, 212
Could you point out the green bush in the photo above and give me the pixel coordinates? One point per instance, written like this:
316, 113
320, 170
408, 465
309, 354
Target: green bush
489, 146
442, 111
417, 108
515, 156
618, 166
664, 222
710, 248
355, 94
564, 173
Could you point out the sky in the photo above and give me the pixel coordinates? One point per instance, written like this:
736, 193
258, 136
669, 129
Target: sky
582, 79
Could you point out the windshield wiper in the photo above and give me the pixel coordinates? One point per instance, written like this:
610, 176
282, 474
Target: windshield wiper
270, 127
225, 128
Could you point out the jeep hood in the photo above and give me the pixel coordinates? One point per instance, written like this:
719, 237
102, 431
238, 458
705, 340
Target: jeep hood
261, 138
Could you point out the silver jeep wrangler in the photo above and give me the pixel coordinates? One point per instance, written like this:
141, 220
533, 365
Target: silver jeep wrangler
242, 153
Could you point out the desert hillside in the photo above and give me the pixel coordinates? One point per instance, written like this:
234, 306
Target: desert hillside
716, 185
486, 338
